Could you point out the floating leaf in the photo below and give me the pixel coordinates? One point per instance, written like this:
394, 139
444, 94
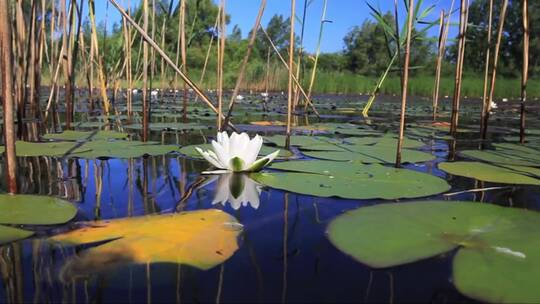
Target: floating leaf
202, 239
498, 257
86, 136
350, 180
9, 234
24, 148
388, 140
306, 142
371, 154
123, 149
24, 209
491, 173
160, 126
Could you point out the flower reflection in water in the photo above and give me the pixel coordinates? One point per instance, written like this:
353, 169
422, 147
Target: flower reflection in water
237, 189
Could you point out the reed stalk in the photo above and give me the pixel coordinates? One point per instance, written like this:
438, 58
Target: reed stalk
20, 40
524, 70
145, 74
101, 72
404, 85
6, 70
276, 51
245, 61
494, 68
220, 55
153, 44
129, 76
317, 53
184, 58
300, 53
205, 65
290, 67
440, 56
459, 66
486, 67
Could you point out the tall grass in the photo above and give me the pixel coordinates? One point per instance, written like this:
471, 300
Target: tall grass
347, 83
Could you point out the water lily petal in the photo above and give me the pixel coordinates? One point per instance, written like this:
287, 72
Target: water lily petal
221, 154
252, 150
209, 158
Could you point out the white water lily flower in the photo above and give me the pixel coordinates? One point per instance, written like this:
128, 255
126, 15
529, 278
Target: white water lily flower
237, 153
238, 190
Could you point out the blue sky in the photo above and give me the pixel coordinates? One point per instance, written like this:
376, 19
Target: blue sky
344, 13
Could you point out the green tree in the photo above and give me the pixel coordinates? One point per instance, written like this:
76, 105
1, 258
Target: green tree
511, 57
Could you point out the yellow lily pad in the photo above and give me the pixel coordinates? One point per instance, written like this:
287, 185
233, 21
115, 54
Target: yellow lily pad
202, 239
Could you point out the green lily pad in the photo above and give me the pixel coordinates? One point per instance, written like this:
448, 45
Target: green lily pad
86, 136
23, 209
350, 180
306, 142
10, 234
159, 126
190, 151
123, 149
491, 173
498, 258
371, 155
388, 140
498, 157
24, 148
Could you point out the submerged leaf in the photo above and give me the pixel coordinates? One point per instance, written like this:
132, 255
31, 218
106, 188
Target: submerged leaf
201, 239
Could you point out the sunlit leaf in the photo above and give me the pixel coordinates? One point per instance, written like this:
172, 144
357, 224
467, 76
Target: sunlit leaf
202, 239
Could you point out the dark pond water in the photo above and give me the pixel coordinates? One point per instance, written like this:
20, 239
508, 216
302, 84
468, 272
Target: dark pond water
284, 254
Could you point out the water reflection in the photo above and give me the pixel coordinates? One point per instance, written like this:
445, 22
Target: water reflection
238, 189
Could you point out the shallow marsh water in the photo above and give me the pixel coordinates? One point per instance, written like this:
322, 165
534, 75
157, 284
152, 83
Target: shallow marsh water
284, 254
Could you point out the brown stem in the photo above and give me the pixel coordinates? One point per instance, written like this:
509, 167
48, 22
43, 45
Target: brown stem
245, 61
524, 70
494, 68
290, 86
459, 66
405, 84
6, 69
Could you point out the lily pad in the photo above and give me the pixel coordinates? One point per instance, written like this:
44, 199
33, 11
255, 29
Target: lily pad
265, 150
350, 180
86, 136
498, 258
123, 149
388, 140
501, 157
371, 154
306, 142
202, 239
9, 234
492, 173
24, 148
160, 126
23, 209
